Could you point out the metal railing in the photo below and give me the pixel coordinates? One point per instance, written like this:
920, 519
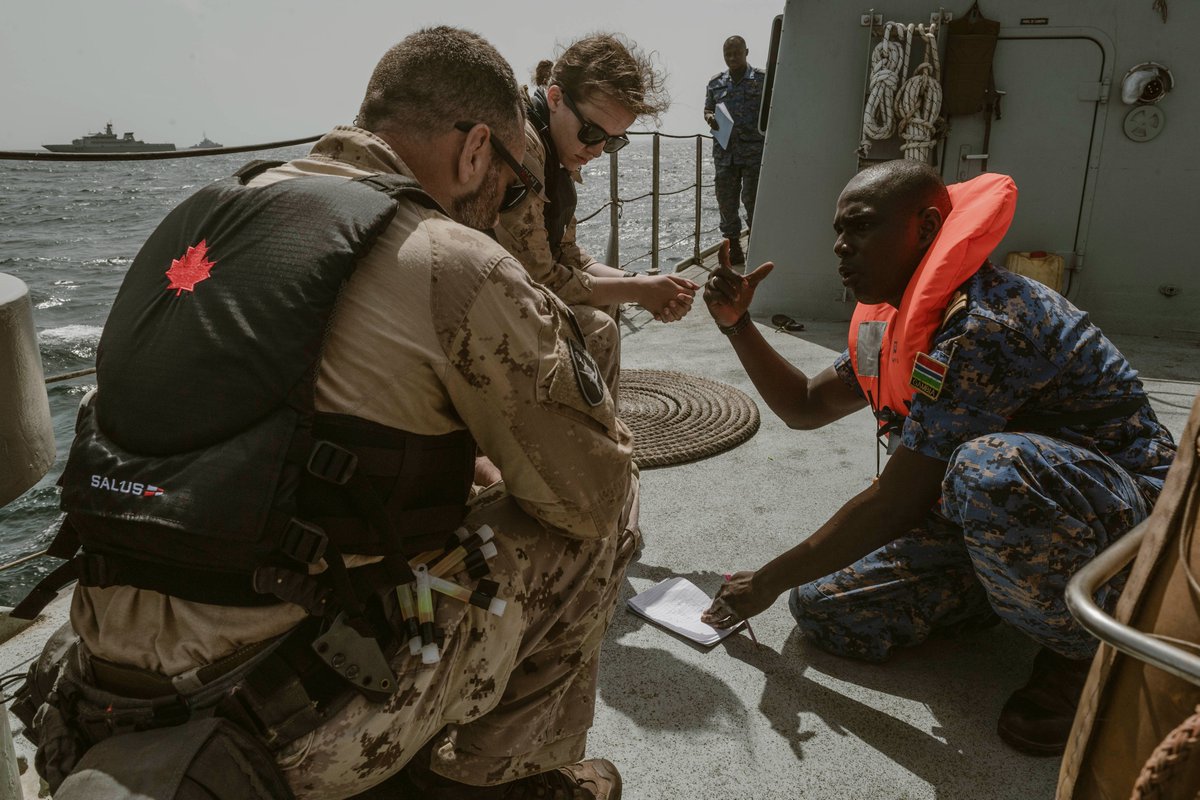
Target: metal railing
1143, 646
616, 203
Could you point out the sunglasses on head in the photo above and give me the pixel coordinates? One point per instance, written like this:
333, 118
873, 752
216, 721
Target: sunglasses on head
514, 194
592, 134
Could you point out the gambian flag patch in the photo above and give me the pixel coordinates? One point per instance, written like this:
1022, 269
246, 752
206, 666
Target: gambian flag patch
928, 376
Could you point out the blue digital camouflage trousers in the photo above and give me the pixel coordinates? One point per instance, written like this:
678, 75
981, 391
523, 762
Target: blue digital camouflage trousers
1019, 515
732, 181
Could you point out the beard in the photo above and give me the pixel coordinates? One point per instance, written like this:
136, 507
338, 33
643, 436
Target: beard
479, 209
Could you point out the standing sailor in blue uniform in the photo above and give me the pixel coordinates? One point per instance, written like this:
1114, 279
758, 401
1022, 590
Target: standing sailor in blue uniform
739, 89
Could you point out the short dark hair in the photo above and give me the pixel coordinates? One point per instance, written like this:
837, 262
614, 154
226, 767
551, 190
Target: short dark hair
609, 64
914, 183
437, 77
541, 73
735, 39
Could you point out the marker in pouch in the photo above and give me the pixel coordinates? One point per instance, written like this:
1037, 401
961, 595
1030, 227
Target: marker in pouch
484, 595
452, 558
453, 540
408, 613
476, 561
429, 648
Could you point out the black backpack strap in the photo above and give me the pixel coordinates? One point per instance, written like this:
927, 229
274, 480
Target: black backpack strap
64, 546
46, 590
400, 187
253, 169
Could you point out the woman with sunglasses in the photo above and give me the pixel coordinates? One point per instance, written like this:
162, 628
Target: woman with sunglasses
583, 104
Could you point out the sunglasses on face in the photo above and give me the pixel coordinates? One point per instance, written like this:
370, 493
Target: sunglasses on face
514, 194
592, 134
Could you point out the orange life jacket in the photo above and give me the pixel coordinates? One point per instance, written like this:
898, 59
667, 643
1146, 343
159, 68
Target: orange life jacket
982, 209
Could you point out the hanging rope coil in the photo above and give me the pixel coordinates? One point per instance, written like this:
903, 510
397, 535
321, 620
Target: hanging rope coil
887, 69
919, 104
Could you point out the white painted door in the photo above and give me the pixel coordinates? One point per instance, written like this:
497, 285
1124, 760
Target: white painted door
1043, 138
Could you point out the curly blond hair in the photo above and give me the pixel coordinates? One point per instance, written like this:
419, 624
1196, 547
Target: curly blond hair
609, 64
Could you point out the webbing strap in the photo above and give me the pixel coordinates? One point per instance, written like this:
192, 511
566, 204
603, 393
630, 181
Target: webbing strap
46, 590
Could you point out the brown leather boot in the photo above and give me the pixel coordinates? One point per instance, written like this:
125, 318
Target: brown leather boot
594, 779
1037, 718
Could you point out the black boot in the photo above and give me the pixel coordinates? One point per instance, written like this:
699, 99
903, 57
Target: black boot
594, 779
1037, 718
736, 256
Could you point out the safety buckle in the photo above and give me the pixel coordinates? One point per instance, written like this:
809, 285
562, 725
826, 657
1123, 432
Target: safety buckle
331, 462
303, 541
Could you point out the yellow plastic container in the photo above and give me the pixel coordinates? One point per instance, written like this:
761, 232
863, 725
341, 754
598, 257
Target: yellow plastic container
1039, 265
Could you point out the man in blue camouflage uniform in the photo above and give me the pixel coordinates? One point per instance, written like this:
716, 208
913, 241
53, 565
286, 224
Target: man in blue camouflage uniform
739, 88
1039, 451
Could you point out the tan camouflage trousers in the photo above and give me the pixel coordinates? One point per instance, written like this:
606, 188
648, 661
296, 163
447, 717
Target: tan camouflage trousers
602, 335
515, 694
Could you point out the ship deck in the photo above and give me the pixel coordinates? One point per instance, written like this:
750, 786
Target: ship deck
784, 720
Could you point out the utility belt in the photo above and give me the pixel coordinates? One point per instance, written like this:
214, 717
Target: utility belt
273, 692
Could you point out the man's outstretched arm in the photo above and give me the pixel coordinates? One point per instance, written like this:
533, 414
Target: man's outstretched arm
800, 401
889, 508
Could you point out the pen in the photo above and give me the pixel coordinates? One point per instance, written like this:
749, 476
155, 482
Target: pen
749, 630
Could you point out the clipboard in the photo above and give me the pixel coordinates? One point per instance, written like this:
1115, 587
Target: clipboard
724, 126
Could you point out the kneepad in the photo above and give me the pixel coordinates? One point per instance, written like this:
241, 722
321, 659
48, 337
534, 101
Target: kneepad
199, 760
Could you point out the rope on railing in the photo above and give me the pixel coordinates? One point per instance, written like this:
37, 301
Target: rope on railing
671, 135
621, 201
669, 246
19, 561
37, 155
597, 211
66, 376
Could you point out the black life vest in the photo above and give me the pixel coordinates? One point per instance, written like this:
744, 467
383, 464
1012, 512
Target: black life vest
201, 470
560, 185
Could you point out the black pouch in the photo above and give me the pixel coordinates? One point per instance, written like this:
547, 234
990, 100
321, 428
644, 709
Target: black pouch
199, 760
970, 46
40, 680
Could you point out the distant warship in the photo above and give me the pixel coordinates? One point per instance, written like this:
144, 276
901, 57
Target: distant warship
108, 142
205, 144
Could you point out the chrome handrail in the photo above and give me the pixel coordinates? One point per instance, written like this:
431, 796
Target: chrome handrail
1130, 641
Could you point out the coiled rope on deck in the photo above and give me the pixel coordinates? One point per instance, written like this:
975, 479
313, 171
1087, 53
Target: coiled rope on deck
919, 104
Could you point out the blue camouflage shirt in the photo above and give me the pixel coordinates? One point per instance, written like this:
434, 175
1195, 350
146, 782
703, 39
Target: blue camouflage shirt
742, 99
1021, 349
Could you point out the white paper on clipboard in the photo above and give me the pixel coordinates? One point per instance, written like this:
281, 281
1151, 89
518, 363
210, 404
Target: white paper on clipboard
724, 126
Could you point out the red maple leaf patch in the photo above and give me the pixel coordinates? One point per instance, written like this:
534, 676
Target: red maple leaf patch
194, 267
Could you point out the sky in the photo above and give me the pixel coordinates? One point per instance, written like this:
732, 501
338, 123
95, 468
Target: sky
249, 71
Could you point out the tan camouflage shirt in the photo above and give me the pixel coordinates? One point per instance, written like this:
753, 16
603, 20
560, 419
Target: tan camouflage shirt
438, 330
522, 231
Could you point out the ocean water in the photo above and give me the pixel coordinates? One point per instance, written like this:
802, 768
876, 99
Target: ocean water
70, 231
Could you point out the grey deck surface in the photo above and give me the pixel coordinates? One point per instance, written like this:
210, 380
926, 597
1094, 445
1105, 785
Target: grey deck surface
785, 720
